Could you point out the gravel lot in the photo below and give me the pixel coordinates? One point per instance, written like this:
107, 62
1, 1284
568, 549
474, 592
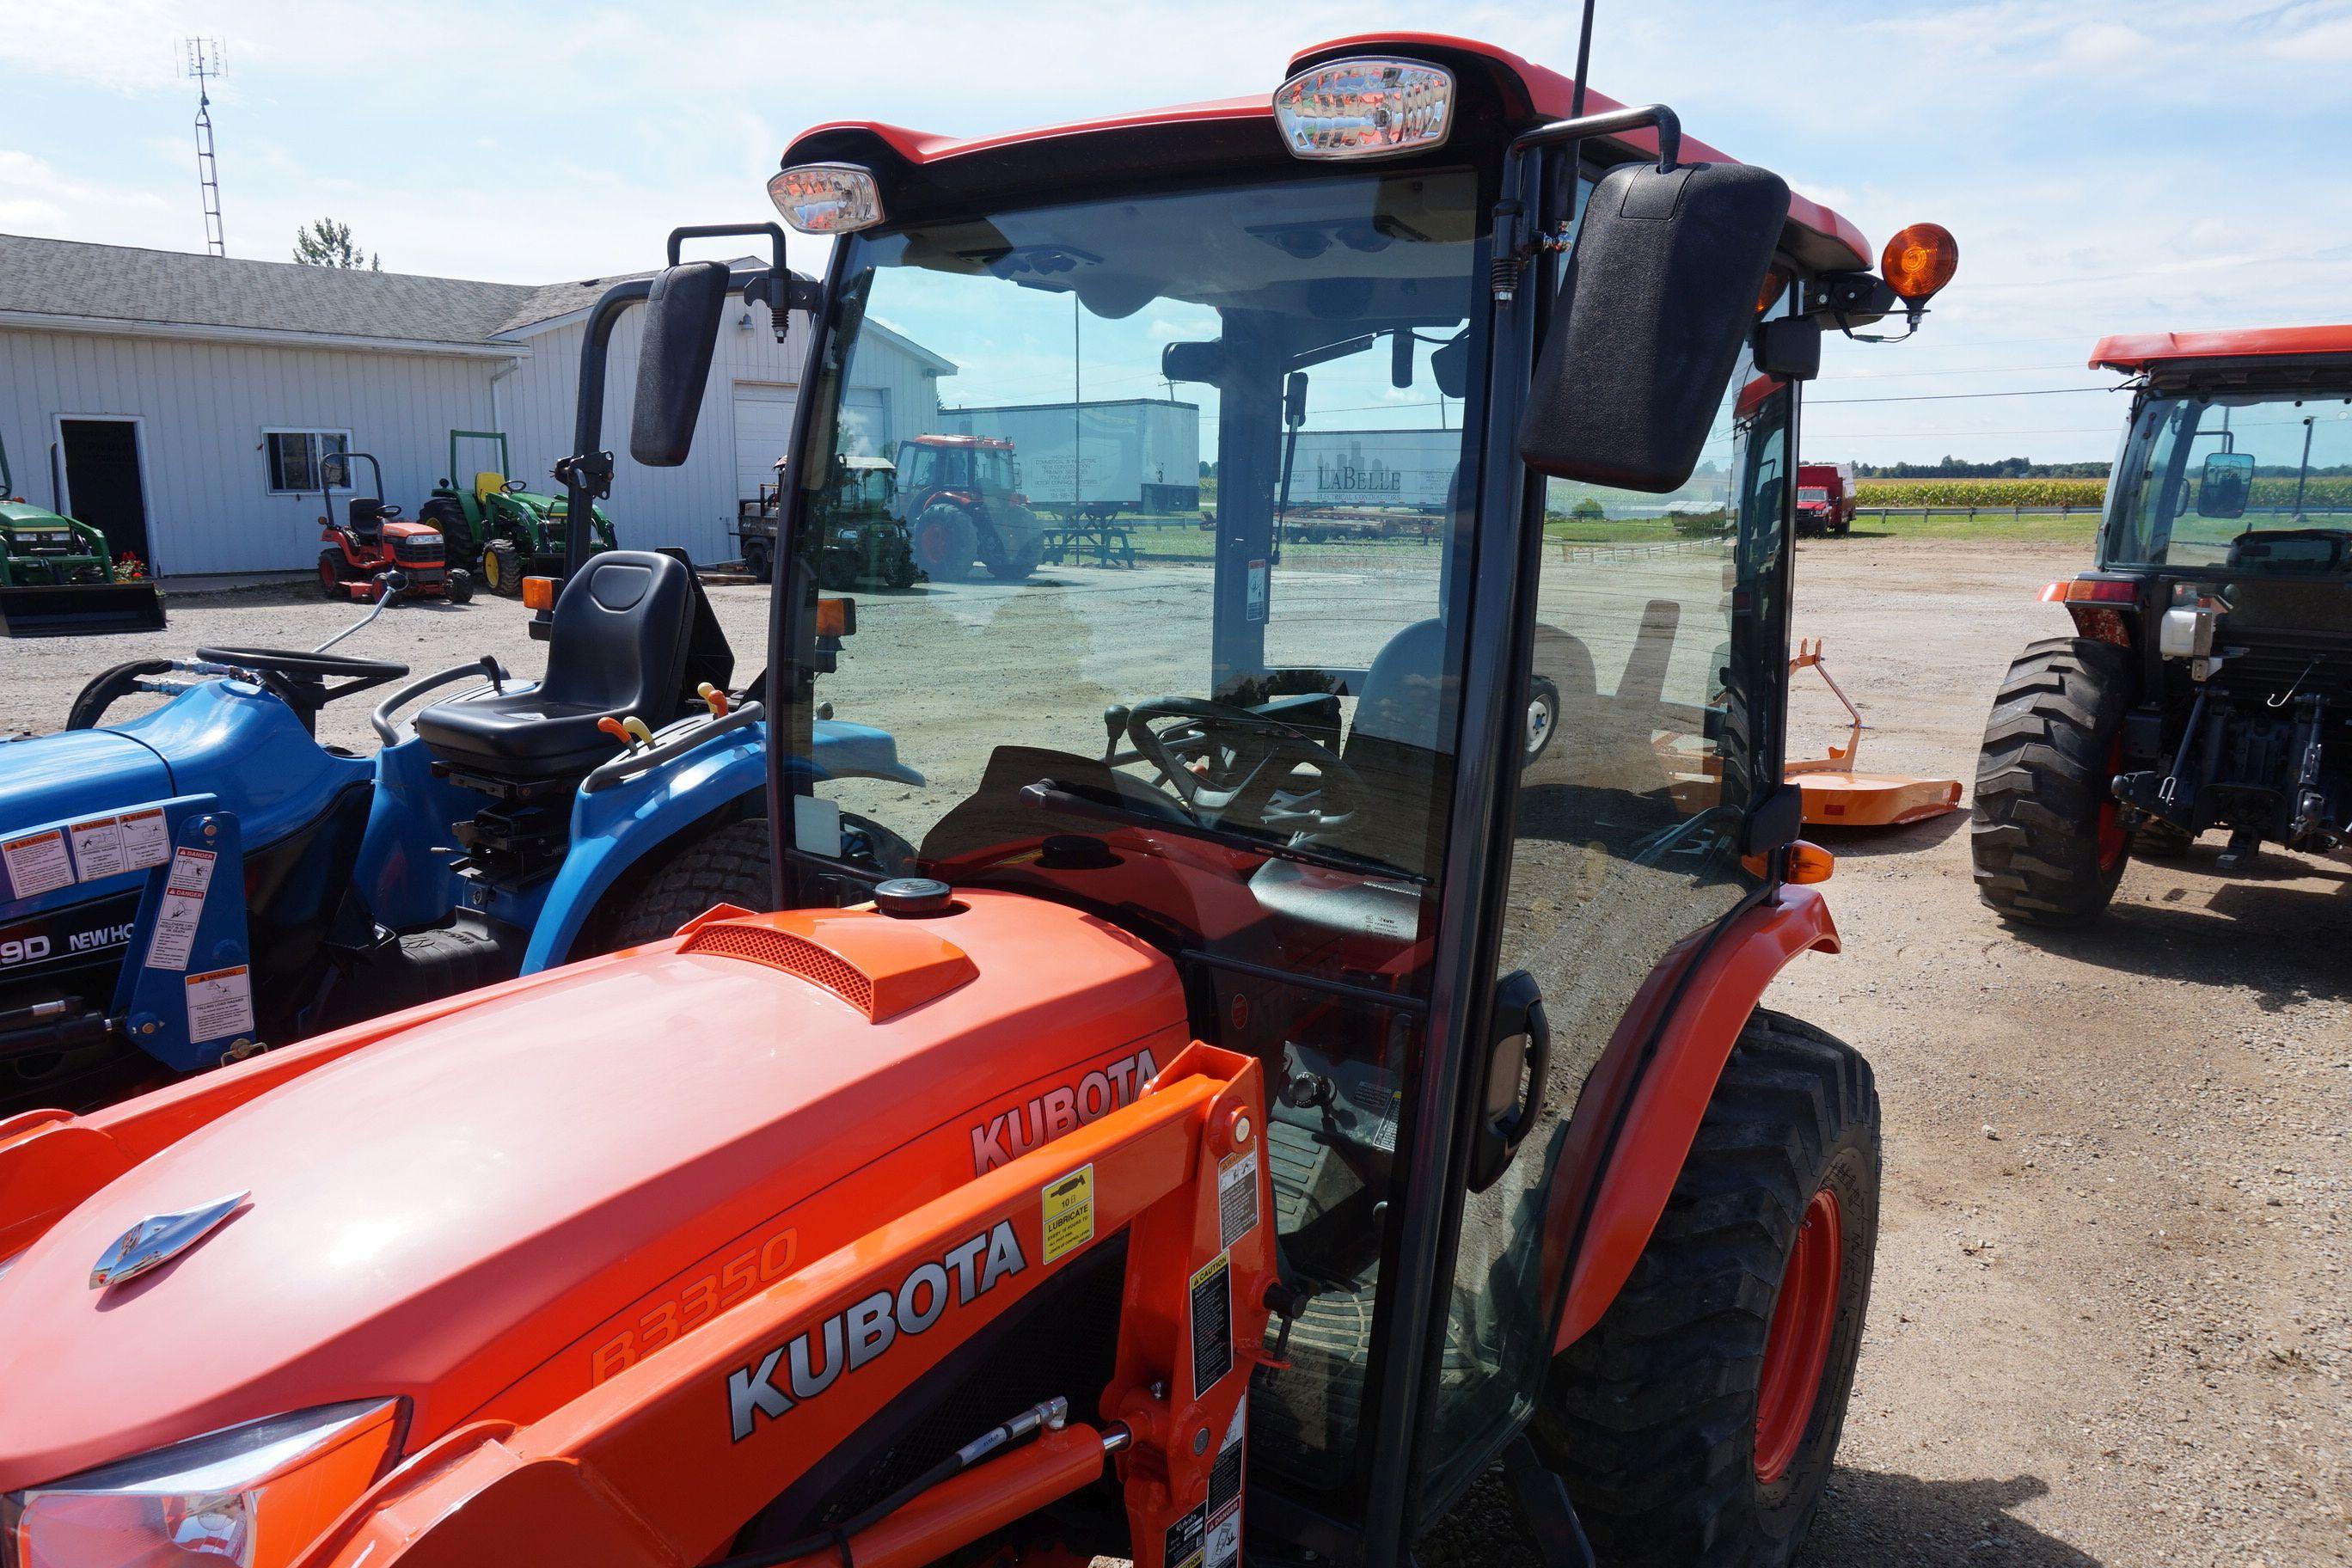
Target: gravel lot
2113, 1315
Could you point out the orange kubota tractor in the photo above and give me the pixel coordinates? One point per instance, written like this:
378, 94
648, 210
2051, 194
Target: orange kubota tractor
1238, 1096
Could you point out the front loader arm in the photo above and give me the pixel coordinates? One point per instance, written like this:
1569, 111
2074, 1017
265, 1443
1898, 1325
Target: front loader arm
666, 1461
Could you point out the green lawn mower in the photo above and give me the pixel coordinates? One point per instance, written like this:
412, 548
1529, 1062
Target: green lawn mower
502, 530
57, 578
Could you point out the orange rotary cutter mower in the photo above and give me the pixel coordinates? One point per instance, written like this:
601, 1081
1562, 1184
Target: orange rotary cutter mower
1838, 795
1240, 1137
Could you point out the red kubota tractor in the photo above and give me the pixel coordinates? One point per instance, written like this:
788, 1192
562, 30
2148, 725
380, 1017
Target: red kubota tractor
372, 551
1238, 1096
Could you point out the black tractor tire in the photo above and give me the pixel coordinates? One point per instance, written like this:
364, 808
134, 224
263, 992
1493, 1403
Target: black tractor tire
2045, 833
836, 568
459, 547
330, 576
1652, 1418
502, 571
459, 587
944, 541
727, 865
760, 562
2154, 840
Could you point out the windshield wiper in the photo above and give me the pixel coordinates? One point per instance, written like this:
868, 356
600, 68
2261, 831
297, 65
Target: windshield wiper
1052, 795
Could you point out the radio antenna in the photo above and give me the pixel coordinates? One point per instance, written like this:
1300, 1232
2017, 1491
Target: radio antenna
204, 63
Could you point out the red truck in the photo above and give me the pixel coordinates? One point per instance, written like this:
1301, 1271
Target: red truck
1824, 498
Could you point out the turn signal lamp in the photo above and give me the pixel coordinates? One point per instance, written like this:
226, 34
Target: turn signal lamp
836, 617
538, 593
255, 1496
1920, 260
2094, 590
1365, 109
827, 198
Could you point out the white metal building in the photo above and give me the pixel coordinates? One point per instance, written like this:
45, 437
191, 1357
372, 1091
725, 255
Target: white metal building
182, 401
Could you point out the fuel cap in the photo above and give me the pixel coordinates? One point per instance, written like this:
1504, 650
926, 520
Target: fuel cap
913, 896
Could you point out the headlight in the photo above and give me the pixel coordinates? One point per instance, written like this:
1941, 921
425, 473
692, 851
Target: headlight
253, 1495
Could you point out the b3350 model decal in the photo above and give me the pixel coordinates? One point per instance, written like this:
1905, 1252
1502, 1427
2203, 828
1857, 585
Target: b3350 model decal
812, 1361
1013, 1133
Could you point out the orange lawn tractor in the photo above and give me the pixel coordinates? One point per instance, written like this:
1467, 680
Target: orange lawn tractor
1231, 1116
371, 552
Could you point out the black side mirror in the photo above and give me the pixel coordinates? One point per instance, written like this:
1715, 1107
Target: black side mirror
1294, 399
2228, 484
1517, 1072
1201, 361
1660, 293
682, 316
1449, 365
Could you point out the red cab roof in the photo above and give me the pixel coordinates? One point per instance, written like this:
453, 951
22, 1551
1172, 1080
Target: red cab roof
2137, 351
1549, 94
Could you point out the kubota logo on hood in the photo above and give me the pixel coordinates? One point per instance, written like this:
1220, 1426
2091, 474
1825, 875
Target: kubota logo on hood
1012, 1133
812, 1360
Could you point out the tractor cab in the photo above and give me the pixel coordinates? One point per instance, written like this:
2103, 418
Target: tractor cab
1250, 1074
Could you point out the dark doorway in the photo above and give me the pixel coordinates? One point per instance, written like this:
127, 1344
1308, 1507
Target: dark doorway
102, 481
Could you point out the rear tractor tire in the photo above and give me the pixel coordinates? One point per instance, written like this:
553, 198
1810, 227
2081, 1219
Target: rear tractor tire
727, 865
331, 574
1697, 1421
944, 542
2046, 835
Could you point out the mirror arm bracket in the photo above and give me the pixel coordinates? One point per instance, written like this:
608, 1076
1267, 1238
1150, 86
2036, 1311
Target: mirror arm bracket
589, 472
1513, 250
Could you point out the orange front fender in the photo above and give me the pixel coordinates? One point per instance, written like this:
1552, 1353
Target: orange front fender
1633, 1126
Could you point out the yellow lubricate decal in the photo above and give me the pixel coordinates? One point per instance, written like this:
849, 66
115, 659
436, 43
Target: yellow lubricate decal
1070, 1206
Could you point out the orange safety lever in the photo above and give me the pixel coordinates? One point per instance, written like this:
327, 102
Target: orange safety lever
629, 731
715, 699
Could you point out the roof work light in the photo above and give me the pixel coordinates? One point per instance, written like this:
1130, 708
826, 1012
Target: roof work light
827, 198
1365, 109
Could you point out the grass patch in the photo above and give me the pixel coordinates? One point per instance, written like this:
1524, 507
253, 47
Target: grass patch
2076, 528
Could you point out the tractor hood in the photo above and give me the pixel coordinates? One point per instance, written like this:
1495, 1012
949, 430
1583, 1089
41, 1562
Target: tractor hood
468, 1211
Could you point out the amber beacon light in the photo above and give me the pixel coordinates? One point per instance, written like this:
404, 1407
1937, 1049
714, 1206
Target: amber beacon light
1920, 260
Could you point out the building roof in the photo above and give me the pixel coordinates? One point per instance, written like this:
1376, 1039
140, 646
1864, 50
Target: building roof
164, 289
2139, 350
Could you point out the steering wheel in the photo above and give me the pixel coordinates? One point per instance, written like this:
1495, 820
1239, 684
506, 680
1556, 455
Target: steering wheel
294, 665
515, 487
1261, 752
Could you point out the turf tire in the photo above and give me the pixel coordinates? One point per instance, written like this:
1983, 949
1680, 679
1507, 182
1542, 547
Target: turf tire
727, 865
2043, 801
1651, 1417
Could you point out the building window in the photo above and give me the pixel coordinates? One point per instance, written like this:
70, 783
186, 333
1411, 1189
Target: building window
294, 457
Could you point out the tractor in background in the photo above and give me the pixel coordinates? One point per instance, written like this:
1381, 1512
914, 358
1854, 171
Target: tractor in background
2208, 686
961, 499
57, 578
499, 527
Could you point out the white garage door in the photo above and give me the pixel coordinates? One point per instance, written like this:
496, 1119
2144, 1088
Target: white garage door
763, 429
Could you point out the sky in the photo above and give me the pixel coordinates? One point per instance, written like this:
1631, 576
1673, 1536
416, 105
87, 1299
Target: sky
2106, 167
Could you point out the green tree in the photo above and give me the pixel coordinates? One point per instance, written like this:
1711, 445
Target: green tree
326, 243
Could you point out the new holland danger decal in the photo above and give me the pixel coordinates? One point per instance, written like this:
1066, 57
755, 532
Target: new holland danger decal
1069, 1212
812, 1361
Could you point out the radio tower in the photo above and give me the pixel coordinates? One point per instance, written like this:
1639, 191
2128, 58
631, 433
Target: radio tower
204, 63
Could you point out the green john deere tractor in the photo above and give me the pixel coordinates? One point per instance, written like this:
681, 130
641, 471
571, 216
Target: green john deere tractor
57, 578
499, 530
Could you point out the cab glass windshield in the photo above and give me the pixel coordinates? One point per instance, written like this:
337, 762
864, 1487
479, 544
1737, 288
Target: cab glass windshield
2246, 482
1189, 657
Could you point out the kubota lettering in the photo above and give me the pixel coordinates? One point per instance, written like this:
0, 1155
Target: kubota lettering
815, 1358
1065, 1108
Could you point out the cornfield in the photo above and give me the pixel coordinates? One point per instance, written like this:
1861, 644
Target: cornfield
2001, 493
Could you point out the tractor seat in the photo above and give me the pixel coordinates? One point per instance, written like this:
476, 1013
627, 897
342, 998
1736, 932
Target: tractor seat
368, 515
619, 646
487, 483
